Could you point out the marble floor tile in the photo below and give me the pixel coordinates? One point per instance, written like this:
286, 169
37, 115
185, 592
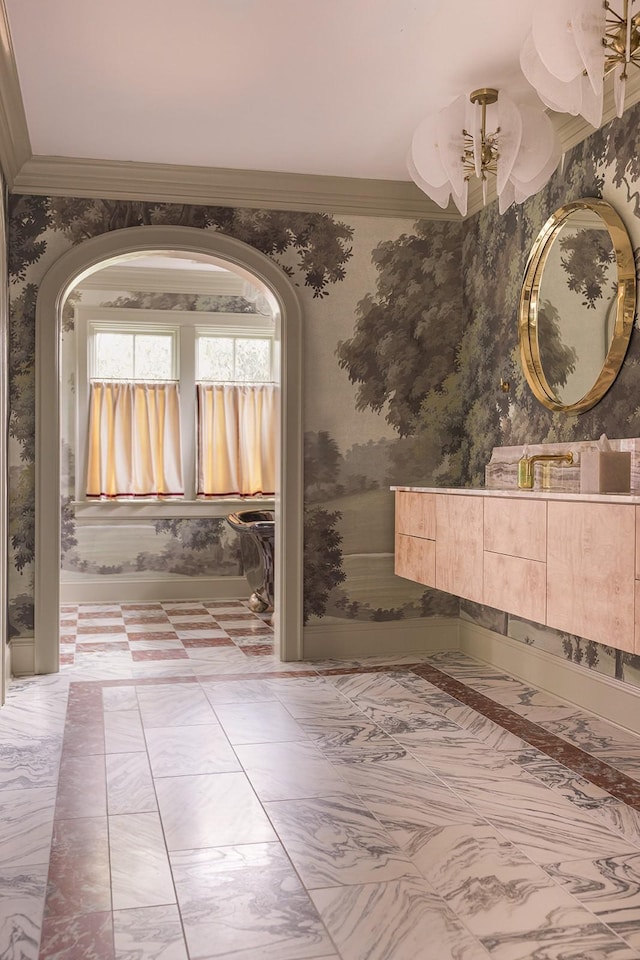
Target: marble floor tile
181, 751
246, 902
149, 933
609, 887
290, 771
129, 784
563, 938
543, 824
140, 872
119, 698
79, 877
313, 696
407, 799
174, 705
458, 755
82, 788
211, 810
347, 740
238, 691
160, 643
82, 937
608, 810
495, 889
26, 822
123, 731
600, 738
266, 722
22, 893
29, 762
336, 840
403, 919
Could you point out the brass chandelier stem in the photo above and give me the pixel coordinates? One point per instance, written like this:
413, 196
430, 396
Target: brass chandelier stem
488, 142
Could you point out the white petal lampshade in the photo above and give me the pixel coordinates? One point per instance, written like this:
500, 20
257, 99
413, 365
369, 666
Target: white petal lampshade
508, 119
565, 58
450, 126
427, 169
556, 94
554, 39
575, 97
440, 195
517, 144
539, 154
588, 22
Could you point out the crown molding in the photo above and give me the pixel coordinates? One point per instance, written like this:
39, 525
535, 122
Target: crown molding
173, 183
15, 146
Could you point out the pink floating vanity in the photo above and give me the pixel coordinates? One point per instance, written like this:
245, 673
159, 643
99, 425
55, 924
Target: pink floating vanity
568, 560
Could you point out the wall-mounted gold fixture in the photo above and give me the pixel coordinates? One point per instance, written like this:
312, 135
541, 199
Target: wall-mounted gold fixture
505, 385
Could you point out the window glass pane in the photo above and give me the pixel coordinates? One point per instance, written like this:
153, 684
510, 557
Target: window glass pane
252, 360
153, 357
113, 356
215, 358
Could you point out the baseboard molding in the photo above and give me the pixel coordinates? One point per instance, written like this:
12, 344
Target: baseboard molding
608, 698
22, 657
357, 639
105, 590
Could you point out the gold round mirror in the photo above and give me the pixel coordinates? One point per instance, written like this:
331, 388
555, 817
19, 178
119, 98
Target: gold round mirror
577, 306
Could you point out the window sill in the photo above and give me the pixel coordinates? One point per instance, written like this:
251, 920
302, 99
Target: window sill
114, 510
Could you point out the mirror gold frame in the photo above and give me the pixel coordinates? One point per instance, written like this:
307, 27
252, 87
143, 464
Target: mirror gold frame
529, 305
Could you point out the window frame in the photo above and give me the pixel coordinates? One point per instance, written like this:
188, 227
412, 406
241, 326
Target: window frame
186, 326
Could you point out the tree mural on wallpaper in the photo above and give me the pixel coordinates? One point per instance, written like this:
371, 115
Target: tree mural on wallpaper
319, 242
314, 247
406, 335
586, 254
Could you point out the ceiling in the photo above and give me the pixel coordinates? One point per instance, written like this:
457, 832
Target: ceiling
333, 87
313, 88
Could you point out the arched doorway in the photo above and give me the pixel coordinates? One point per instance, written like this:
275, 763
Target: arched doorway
64, 274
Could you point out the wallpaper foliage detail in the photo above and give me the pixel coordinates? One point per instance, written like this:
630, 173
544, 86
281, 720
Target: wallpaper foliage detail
422, 346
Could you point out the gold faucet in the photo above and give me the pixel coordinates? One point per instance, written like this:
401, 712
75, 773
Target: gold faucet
526, 465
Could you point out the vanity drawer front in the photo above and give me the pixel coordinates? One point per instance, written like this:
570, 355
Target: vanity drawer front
637, 543
590, 571
459, 550
516, 585
516, 527
415, 559
416, 514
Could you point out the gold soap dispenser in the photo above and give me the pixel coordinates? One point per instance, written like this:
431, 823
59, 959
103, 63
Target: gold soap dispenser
524, 470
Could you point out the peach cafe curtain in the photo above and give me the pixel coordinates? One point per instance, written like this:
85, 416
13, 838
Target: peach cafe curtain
236, 439
134, 447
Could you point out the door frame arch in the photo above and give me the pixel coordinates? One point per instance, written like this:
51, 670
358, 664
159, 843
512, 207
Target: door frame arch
67, 271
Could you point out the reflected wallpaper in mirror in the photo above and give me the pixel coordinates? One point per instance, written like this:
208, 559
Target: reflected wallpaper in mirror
577, 305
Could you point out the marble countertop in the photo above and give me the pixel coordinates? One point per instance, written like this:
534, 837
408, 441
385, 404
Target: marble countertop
631, 498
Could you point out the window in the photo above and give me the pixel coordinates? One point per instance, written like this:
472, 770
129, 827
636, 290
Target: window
234, 359
178, 401
121, 354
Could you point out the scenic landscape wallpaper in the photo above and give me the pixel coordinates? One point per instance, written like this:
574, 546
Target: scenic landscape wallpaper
409, 328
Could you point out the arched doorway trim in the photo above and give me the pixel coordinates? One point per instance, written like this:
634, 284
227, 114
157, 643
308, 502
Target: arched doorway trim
62, 276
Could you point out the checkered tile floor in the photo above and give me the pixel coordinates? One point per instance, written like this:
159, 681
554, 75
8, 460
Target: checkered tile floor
162, 631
